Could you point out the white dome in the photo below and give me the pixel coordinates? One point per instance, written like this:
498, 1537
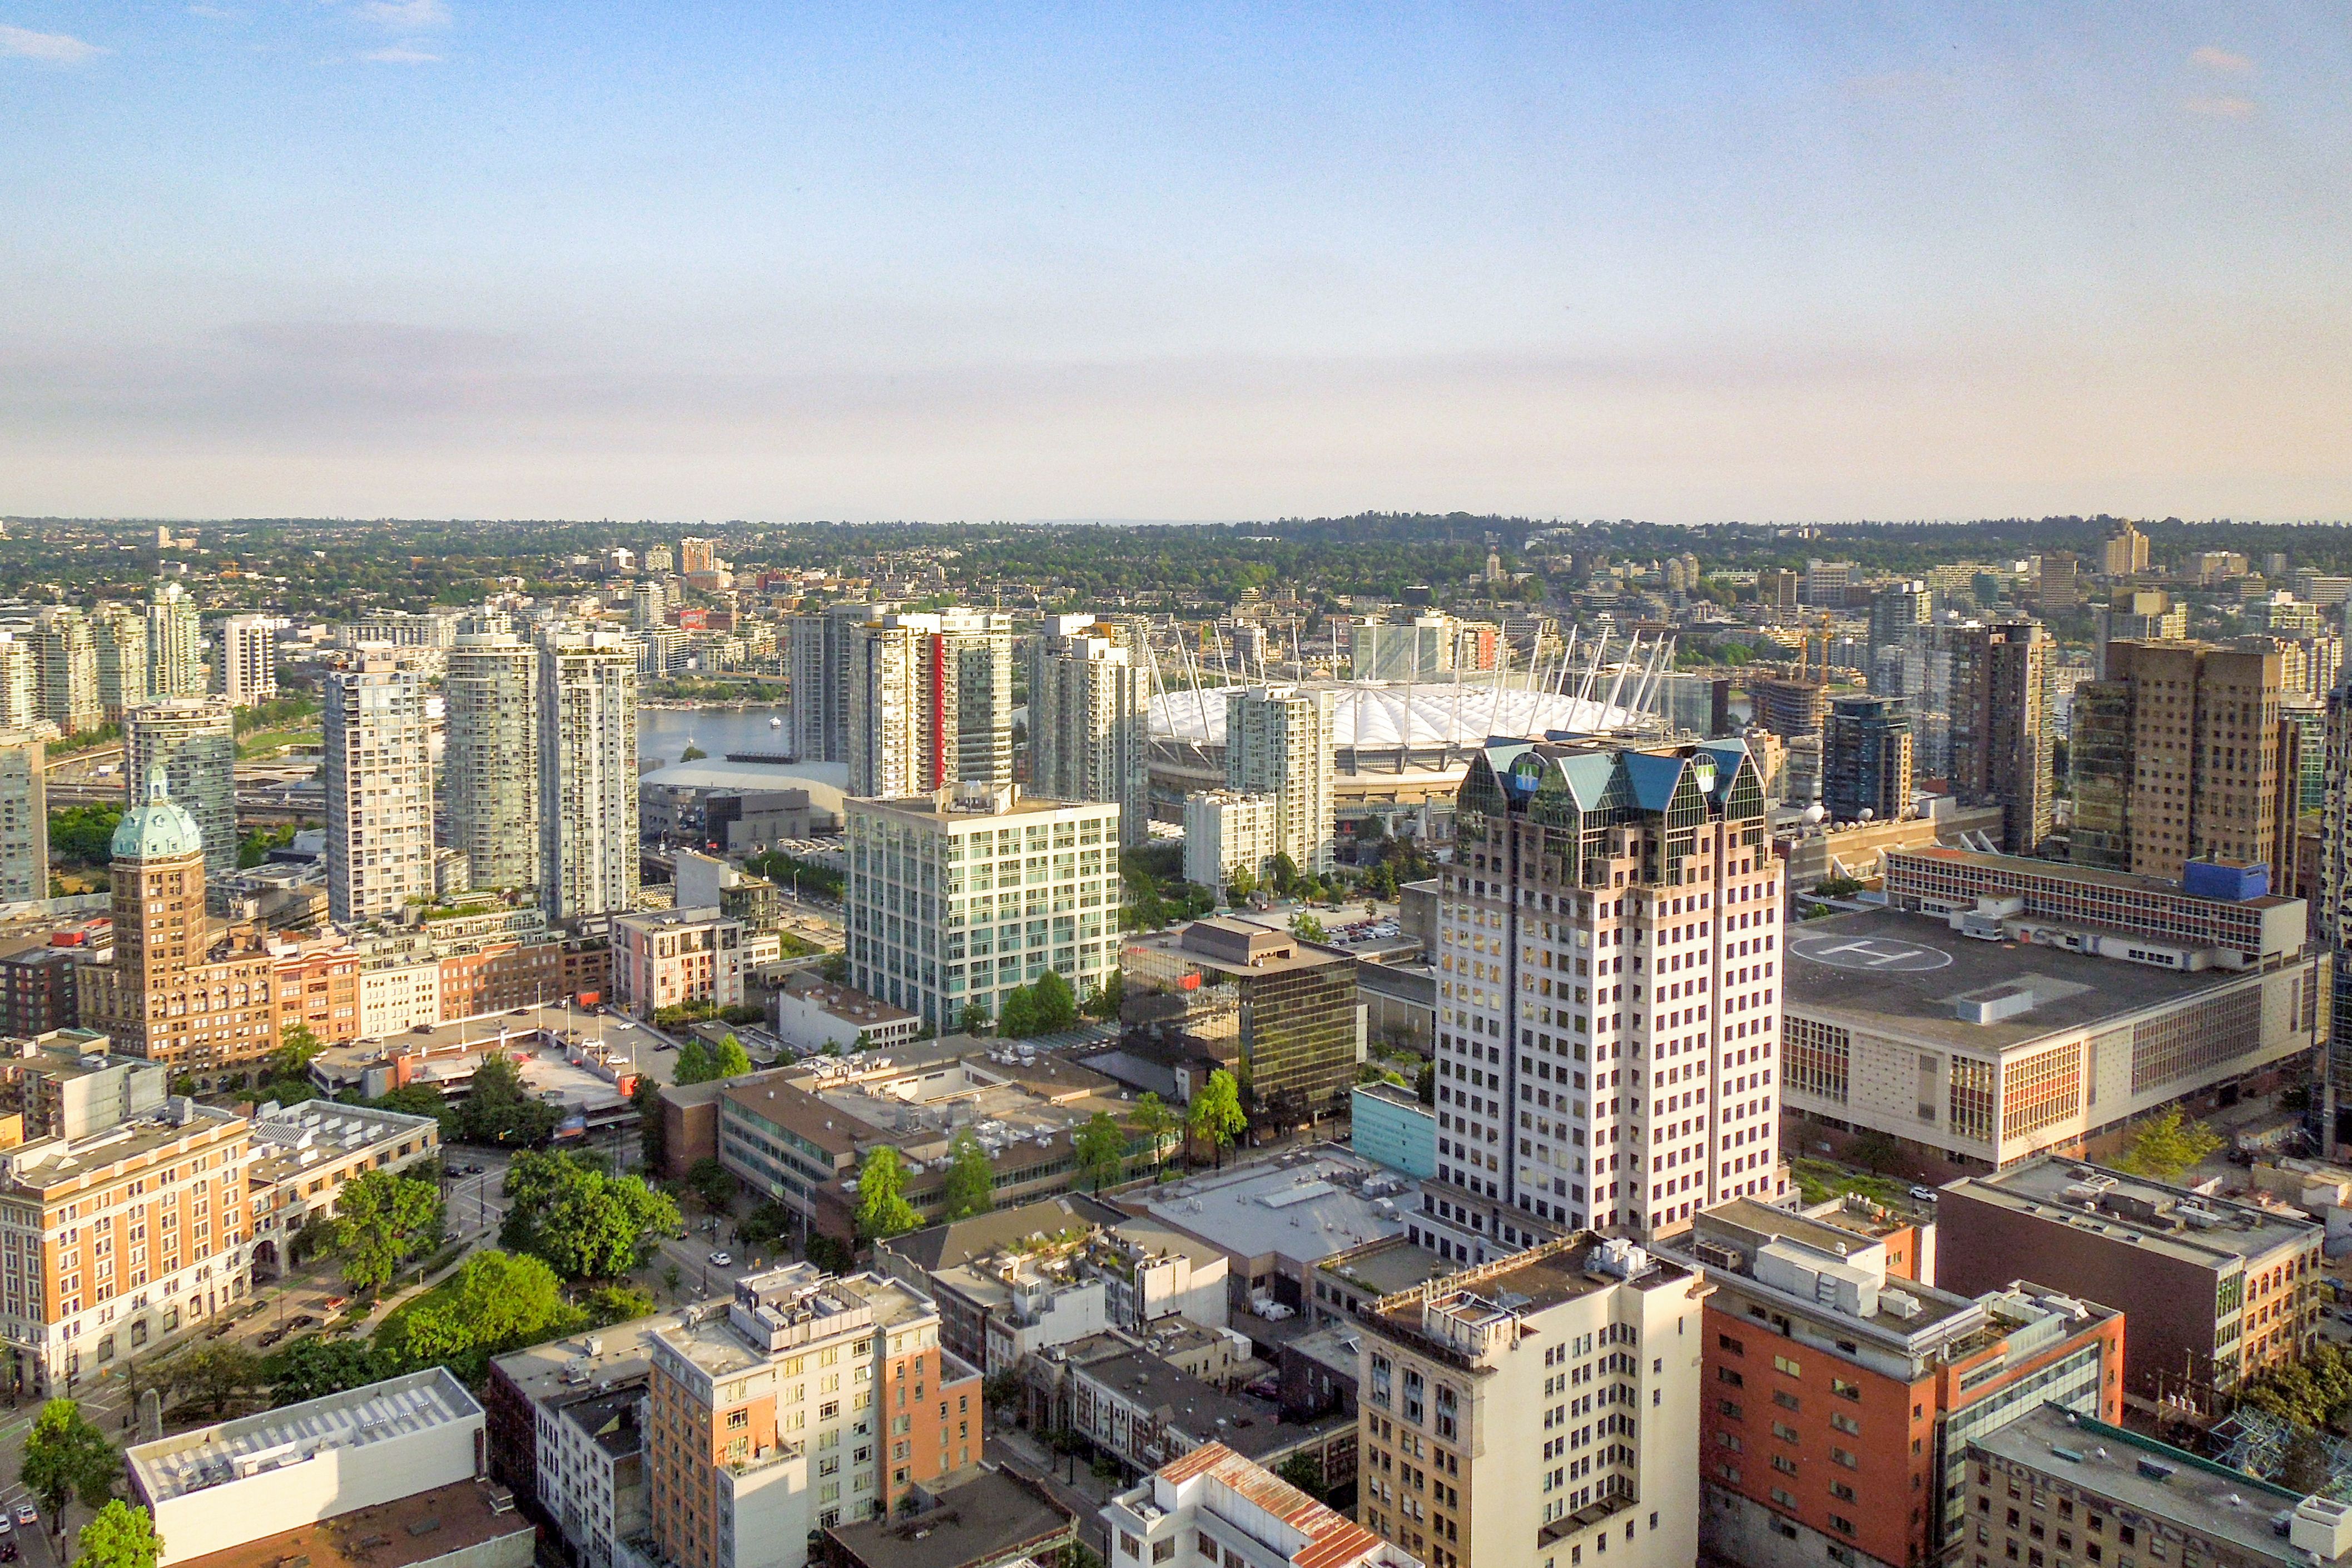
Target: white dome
1378, 713
1815, 815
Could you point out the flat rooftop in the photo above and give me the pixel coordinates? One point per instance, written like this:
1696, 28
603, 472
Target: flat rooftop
423, 1528
713, 1343
297, 1138
614, 1355
1388, 1266
2210, 1499
55, 1162
1271, 954
941, 811
1911, 974
988, 1517
1757, 1225
1203, 1410
1305, 1206
2174, 1221
1526, 1283
232, 1450
2122, 881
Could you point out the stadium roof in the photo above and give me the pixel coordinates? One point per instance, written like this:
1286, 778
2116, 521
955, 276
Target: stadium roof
1383, 713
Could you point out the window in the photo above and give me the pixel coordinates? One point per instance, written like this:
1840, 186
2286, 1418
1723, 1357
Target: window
1844, 1423
1785, 1400
1845, 1390
1129, 1546
1787, 1366
1164, 1550
738, 1419
1726, 1342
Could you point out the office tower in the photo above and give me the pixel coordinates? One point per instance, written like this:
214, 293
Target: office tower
67, 649
2178, 751
1530, 1410
120, 632
20, 683
2125, 553
2058, 582
2001, 737
930, 703
1866, 759
1281, 1015
1899, 610
696, 555
820, 655
1607, 937
938, 921
1278, 742
24, 818
490, 764
2332, 914
175, 653
587, 775
379, 794
1791, 707
646, 606
1089, 723
194, 740
1414, 649
1842, 1392
1826, 583
1777, 590
168, 955
248, 648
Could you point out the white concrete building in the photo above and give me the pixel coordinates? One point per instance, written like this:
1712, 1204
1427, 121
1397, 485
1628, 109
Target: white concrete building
811, 1014
1090, 720
175, 651
379, 793
1279, 743
929, 702
490, 773
249, 649
399, 997
587, 775
1225, 832
1212, 1506
24, 818
194, 740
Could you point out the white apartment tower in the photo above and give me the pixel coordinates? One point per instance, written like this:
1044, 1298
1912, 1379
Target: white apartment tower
120, 632
67, 652
1089, 723
248, 648
821, 646
24, 818
379, 793
194, 740
1225, 832
1607, 1017
490, 761
20, 683
1278, 742
2333, 908
175, 651
930, 703
587, 775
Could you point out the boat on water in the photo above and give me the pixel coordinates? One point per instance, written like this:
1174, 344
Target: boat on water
775, 723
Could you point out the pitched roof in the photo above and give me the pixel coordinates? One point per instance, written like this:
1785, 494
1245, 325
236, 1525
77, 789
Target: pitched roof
1333, 1538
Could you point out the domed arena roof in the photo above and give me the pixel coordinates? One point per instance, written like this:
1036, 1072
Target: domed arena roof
1373, 714
157, 829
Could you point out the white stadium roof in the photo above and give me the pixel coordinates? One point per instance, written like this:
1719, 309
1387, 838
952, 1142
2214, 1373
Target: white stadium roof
1378, 715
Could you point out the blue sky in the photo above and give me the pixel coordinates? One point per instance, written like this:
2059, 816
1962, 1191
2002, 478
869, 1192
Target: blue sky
439, 258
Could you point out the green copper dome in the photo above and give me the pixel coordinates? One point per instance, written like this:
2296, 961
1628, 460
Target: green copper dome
157, 829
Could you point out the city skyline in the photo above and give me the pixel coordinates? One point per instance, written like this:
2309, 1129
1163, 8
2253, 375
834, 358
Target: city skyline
431, 259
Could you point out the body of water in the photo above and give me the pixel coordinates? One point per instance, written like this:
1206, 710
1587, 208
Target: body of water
663, 732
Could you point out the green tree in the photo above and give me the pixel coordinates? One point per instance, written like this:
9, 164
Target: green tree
583, 1224
495, 1303
1215, 1116
2164, 1146
317, 1366
1107, 997
970, 1185
2313, 1391
711, 1182
610, 1304
382, 1219
973, 1020
499, 1109
1284, 874
1303, 1471
1100, 1147
297, 1048
694, 1063
1057, 1007
653, 1138
1154, 1121
671, 1277
214, 1375
120, 1535
882, 1206
1306, 928
67, 1458
1016, 1017
1425, 1083
733, 1060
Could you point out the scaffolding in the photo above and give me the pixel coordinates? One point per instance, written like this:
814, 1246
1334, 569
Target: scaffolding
2259, 1445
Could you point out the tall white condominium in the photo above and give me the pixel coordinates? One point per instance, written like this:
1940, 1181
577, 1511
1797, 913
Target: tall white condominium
822, 646
20, 683
489, 766
930, 702
958, 896
24, 818
1089, 723
67, 652
175, 651
2334, 909
1278, 742
194, 740
1608, 1024
248, 650
121, 632
587, 775
1227, 832
379, 793
646, 606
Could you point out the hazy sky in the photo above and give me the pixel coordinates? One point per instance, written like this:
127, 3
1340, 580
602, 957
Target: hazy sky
689, 260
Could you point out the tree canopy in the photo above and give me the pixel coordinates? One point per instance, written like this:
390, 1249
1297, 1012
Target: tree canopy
1044, 1007
315, 1365
496, 1303
1154, 1121
2314, 1390
583, 1224
970, 1179
122, 1535
65, 1457
382, 1218
882, 1206
1100, 1147
1215, 1116
733, 1060
297, 1048
2164, 1146
694, 1064
499, 1109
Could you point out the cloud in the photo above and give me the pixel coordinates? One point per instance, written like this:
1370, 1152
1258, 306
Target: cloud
58, 48
2221, 107
2222, 60
402, 55
406, 14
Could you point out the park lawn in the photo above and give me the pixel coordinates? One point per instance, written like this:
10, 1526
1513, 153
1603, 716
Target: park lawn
265, 742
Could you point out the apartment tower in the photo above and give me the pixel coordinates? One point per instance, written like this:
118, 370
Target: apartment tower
120, 634
1089, 723
248, 648
176, 653
379, 794
66, 648
2001, 742
1866, 759
194, 740
820, 651
490, 762
24, 818
587, 775
930, 703
1279, 743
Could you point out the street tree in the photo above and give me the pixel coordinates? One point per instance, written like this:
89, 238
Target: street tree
499, 1109
694, 1064
122, 1535
66, 1458
382, 1219
970, 1180
215, 1374
1217, 1117
583, 1224
1100, 1147
496, 1302
711, 1182
882, 1206
733, 1060
317, 1366
297, 1048
2164, 1146
1154, 1121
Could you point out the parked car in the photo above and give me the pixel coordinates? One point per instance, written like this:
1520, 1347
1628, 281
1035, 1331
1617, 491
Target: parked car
270, 1338
1923, 1194
337, 1303
300, 1320
721, 1260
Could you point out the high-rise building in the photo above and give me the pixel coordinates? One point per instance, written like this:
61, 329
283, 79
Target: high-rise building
1416, 649
194, 740
1826, 583
175, 651
20, 683
821, 645
1280, 1014
2058, 582
1089, 723
646, 606
1279, 743
810, 1401
930, 703
2125, 553
2178, 751
67, 649
24, 818
168, 954
2135, 614
1582, 1355
1777, 590
696, 555
2001, 744
379, 793
1899, 610
938, 921
2332, 917
1791, 707
120, 632
1607, 937
587, 775
1866, 759
490, 761
249, 649
1225, 832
